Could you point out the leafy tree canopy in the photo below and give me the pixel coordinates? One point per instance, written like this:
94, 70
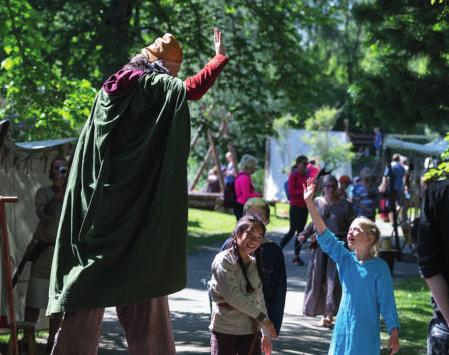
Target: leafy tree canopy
287, 59
403, 82
55, 54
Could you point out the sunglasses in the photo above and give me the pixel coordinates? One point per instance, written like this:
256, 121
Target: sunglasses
330, 186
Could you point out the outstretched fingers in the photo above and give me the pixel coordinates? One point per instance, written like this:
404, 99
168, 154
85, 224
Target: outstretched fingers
219, 46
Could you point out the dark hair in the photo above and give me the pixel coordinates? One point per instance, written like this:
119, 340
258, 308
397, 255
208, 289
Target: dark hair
50, 171
329, 179
245, 223
141, 62
301, 158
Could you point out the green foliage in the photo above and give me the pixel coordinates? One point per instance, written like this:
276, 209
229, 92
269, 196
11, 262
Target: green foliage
442, 170
330, 149
284, 58
48, 47
323, 120
40, 99
402, 83
414, 310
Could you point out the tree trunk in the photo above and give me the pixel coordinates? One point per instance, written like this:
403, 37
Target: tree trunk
116, 36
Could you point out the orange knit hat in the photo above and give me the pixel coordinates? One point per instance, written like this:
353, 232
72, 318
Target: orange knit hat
167, 48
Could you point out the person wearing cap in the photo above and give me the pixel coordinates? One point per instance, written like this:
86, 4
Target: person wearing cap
122, 234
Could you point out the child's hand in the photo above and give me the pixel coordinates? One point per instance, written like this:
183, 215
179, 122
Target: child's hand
309, 190
266, 345
269, 326
393, 343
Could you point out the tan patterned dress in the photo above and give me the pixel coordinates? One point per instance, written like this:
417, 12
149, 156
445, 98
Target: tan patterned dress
323, 289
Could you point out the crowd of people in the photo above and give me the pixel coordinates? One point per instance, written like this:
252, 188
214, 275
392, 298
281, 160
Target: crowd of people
346, 278
119, 246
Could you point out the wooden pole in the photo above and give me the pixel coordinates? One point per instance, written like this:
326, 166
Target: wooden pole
217, 160
14, 349
206, 158
230, 145
200, 169
197, 135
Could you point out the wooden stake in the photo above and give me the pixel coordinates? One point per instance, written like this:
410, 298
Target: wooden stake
200, 170
14, 350
217, 160
206, 158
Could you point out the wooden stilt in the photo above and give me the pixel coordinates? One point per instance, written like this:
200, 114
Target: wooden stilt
8, 272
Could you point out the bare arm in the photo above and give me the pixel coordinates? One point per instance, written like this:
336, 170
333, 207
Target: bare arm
440, 292
309, 192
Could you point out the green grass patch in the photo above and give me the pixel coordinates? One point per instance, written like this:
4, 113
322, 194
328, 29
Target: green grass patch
40, 334
415, 312
209, 227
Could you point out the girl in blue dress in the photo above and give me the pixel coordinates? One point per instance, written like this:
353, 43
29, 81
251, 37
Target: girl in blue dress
366, 283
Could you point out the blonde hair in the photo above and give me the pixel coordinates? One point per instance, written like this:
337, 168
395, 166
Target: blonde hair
247, 163
255, 205
370, 228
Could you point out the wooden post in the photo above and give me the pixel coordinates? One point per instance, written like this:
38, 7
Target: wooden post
206, 158
200, 169
230, 145
217, 160
197, 135
8, 273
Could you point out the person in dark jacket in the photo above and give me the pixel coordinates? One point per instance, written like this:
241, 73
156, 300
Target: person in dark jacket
274, 281
433, 260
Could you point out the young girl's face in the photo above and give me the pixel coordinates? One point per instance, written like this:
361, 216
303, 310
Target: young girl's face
358, 239
250, 240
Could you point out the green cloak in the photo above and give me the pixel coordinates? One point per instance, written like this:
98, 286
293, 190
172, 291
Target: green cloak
123, 228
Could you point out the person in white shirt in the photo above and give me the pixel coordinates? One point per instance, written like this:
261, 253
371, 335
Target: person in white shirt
239, 310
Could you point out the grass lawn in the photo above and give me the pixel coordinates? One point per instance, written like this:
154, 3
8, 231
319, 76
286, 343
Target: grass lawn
206, 227
414, 309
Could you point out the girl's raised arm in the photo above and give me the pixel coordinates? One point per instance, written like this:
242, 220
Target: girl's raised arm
328, 242
309, 192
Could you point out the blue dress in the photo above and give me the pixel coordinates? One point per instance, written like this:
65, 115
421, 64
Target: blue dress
367, 293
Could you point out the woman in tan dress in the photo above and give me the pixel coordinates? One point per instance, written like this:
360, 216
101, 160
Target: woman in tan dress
48, 202
323, 290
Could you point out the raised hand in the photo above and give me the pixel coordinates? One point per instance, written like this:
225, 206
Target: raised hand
309, 190
219, 46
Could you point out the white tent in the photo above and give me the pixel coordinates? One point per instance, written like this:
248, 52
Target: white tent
281, 153
433, 148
